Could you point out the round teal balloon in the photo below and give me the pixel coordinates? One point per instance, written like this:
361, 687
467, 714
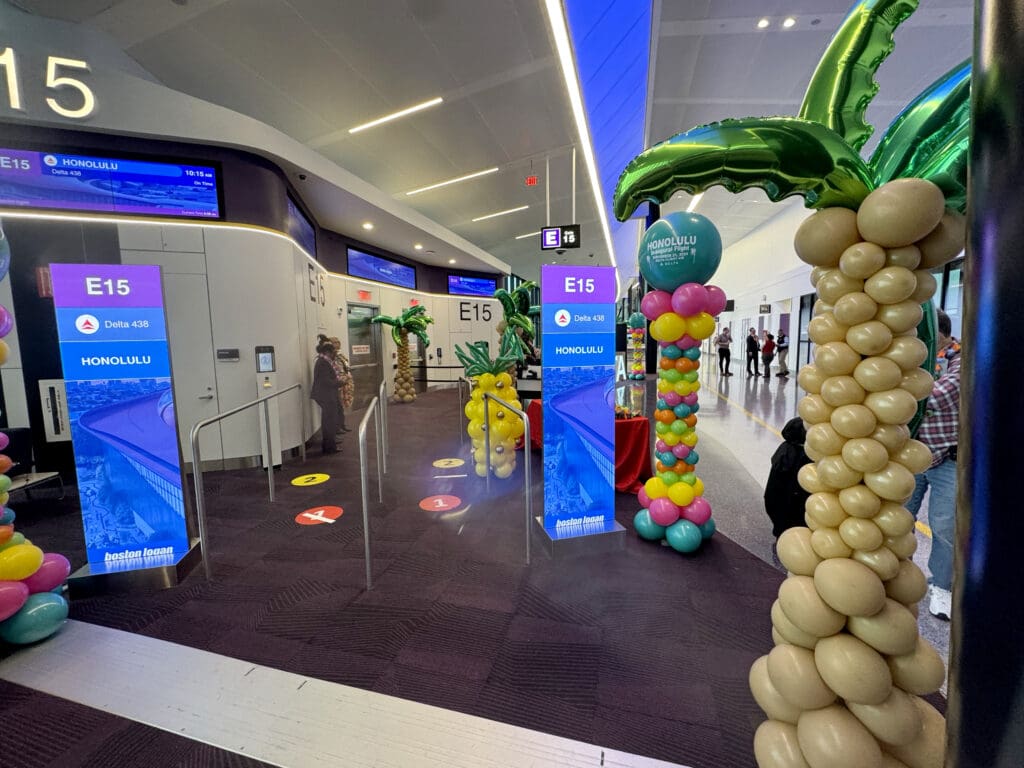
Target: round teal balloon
707, 529
680, 248
40, 616
683, 536
637, 320
7, 517
647, 528
693, 353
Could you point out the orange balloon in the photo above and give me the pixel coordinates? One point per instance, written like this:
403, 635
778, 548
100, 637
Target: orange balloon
691, 420
6, 531
665, 416
666, 363
660, 467
682, 365
5, 464
688, 468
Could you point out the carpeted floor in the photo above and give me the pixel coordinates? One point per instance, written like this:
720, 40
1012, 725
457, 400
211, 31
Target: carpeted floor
641, 650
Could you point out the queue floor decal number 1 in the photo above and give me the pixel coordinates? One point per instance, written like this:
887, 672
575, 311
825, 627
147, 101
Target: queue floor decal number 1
440, 503
312, 479
319, 515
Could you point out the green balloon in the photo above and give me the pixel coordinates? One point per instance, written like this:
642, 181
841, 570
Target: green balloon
680, 248
679, 427
670, 375
15, 540
670, 477
689, 478
690, 376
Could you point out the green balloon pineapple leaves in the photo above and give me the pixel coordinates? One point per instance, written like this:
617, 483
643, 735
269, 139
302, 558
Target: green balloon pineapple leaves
477, 361
413, 320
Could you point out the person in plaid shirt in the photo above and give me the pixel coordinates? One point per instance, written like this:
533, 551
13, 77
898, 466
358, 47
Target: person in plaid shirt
939, 430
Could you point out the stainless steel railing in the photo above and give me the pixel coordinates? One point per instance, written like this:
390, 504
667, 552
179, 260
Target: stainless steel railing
197, 469
528, 490
374, 410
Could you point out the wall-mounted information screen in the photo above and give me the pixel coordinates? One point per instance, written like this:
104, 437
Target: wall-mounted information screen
69, 182
301, 228
461, 285
382, 270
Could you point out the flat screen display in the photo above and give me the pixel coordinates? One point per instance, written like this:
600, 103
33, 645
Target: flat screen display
63, 182
301, 228
382, 270
461, 285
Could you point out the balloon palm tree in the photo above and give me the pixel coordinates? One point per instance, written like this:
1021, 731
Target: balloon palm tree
413, 320
842, 685
516, 308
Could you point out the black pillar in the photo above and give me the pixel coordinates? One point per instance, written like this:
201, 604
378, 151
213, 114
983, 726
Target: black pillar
986, 692
651, 352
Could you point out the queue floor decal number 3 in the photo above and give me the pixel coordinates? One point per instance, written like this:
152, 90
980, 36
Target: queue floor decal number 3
311, 479
319, 515
440, 503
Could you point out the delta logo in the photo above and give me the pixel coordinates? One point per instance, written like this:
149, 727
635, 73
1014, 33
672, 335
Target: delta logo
87, 324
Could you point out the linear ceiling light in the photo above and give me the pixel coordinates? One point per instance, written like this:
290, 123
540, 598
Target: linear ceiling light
560, 31
528, 234
456, 180
396, 115
501, 213
694, 202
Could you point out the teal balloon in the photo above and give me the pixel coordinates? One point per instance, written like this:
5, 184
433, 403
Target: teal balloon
42, 615
693, 353
682, 411
668, 458
5, 255
661, 405
672, 352
680, 248
707, 529
695, 407
637, 320
647, 528
7, 517
683, 536
692, 457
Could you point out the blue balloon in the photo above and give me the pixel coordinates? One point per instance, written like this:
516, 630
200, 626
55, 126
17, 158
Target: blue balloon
682, 411
680, 248
683, 536
645, 527
7, 517
695, 407
707, 529
661, 405
692, 457
41, 615
668, 458
672, 352
693, 353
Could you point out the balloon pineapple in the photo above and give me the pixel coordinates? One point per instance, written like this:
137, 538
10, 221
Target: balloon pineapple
637, 334
842, 685
413, 320
485, 415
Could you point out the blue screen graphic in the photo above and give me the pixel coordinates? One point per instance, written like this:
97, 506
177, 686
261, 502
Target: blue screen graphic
62, 182
301, 228
461, 285
371, 267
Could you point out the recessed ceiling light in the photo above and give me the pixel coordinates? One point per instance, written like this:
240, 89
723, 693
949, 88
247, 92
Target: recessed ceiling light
528, 234
395, 115
456, 180
789, 22
763, 23
501, 213
367, 225
418, 246
451, 261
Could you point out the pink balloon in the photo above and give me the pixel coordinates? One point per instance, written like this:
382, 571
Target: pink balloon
643, 498
13, 595
4, 440
672, 399
664, 344
697, 511
680, 451
690, 399
655, 303
716, 300
664, 511
51, 573
687, 342
661, 446
689, 299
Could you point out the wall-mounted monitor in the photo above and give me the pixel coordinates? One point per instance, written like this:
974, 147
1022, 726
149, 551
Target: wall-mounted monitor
53, 181
301, 228
463, 285
381, 270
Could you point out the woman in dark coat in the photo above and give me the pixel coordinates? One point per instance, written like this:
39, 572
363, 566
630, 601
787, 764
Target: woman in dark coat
783, 497
326, 384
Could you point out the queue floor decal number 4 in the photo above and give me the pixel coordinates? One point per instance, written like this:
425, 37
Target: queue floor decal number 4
319, 515
312, 479
440, 503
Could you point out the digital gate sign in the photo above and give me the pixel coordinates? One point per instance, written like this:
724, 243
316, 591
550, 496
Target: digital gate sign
578, 355
114, 349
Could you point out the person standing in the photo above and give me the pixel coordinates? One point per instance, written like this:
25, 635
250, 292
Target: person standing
347, 392
723, 341
324, 392
768, 353
782, 346
939, 431
752, 349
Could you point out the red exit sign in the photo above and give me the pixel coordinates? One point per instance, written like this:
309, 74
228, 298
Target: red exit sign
531, 181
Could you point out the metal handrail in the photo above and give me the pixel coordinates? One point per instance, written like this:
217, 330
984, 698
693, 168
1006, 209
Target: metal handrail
382, 433
462, 407
371, 410
528, 493
197, 469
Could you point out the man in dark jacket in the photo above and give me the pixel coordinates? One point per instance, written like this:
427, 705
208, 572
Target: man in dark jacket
752, 349
783, 497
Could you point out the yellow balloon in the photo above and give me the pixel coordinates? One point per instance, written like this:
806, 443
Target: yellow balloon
486, 382
666, 386
668, 327
681, 388
690, 439
681, 494
656, 488
700, 326
19, 562
670, 438
698, 487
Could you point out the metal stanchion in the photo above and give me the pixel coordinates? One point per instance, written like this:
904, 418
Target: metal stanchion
270, 459
528, 488
363, 483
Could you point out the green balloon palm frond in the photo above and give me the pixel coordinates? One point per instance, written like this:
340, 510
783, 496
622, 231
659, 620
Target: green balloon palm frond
515, 306
477, 361
413, 320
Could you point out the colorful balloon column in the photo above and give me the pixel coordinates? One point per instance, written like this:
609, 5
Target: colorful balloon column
636, 329
676, 248
31, 606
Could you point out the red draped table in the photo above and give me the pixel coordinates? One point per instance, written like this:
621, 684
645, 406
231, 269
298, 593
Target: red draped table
632, 447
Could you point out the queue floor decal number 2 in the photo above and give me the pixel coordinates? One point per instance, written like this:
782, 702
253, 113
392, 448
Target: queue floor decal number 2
313, 479
319, 515
440, 503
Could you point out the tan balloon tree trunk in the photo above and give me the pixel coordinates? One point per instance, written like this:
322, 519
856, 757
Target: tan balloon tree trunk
842, 686
405, 388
